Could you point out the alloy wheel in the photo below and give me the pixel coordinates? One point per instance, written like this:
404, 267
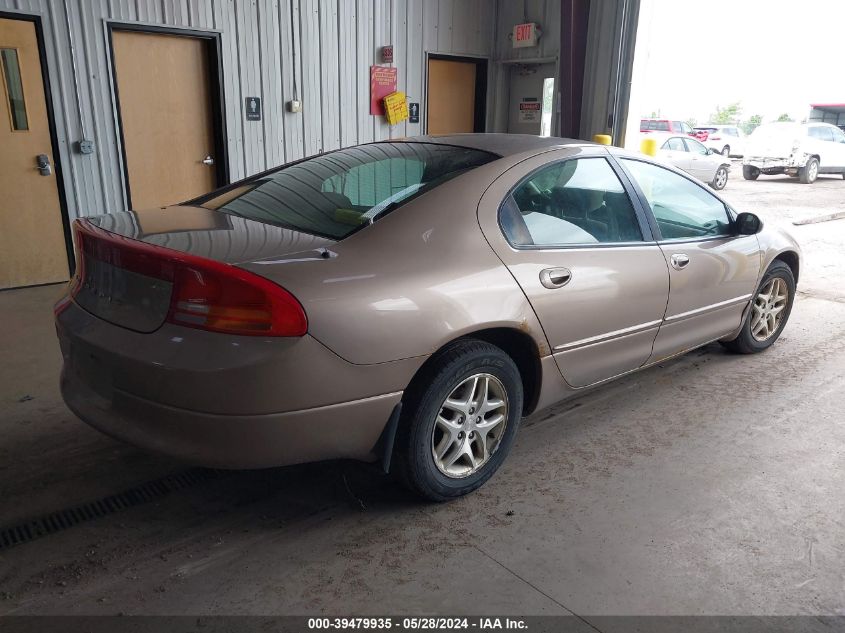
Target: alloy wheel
721, 178
768, 308
469, 426
813, 171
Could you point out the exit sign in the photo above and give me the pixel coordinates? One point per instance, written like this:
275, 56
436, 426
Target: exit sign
525, 35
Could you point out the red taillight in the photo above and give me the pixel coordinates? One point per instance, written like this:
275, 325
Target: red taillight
206, 294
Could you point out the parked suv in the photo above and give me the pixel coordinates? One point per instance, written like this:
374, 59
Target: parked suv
804, 150
665, 125
728, 140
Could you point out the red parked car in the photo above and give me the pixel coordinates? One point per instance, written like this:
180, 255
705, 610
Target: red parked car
665, 125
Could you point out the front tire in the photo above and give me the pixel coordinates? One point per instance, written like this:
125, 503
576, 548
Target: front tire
720, 179
809, 172
459, 420
750, 173
769, 312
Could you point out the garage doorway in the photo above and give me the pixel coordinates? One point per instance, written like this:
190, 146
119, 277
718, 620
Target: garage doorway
33, 222
531, 90
169, 112
456, 95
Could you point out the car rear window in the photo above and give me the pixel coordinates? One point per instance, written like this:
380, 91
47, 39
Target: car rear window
335, 194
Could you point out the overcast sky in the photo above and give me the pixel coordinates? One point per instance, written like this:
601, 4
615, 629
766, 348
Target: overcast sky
773, 56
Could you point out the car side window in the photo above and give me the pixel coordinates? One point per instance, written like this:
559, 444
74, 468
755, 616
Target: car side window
674, 144
578, 201
662, 126
821, 132
838, 135
683, 209
695, 147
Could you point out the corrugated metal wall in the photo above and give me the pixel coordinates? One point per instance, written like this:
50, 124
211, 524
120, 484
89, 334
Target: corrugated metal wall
326, 46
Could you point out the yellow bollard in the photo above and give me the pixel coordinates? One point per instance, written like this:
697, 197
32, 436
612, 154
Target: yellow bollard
648, 146
602, 139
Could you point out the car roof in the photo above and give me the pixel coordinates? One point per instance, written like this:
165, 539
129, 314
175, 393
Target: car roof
500, 144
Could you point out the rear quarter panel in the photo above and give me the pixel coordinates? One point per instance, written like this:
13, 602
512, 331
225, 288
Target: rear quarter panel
413, 281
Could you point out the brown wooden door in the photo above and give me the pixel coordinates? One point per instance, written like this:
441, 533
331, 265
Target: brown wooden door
32, 239
166, 116
451, 96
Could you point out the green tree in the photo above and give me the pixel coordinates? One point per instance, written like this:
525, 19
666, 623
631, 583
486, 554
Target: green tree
752, 123
728, 114
785, 117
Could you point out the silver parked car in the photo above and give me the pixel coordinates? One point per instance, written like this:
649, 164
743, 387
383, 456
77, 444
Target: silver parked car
684, 152
406, 302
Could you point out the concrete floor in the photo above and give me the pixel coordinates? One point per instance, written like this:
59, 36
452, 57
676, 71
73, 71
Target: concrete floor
710, 485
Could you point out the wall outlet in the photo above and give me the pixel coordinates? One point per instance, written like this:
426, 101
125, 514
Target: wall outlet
294, 106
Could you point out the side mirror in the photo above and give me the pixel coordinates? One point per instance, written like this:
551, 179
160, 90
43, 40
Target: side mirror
748, 224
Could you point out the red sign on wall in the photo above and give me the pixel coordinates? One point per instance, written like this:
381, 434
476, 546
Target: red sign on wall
524, 35
382, 83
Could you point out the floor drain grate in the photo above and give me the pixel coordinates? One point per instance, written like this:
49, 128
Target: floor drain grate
63, 519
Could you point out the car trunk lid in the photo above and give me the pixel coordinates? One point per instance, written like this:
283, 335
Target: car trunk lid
128, 263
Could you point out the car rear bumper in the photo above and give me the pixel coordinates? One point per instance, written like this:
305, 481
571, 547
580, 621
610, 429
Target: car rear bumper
226, 402
345, 430
765, 163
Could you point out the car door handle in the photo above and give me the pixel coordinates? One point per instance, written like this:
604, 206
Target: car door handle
555, 277
679, 261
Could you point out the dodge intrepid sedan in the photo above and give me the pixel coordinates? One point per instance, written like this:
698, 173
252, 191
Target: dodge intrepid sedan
406, 302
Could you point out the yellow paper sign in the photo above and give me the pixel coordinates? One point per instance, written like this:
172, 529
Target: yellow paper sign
396, 107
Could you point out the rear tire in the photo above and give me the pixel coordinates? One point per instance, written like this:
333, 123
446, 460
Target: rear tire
753, 338
809, 172
430, 425
750, 173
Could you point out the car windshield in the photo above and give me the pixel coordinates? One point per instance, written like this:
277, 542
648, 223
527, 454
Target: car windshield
335, 194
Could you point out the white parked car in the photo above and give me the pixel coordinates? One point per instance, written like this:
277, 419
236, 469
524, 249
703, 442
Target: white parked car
684, 152
797, 149
727, 140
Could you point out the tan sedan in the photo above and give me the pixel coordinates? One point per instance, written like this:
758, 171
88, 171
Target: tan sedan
406, 302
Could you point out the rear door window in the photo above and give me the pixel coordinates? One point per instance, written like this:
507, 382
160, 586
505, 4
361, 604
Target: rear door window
574, 202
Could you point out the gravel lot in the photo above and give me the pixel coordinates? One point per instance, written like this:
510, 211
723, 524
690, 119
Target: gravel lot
709, 485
